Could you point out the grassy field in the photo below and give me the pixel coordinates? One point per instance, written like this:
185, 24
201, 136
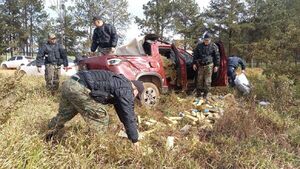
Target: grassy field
247, 136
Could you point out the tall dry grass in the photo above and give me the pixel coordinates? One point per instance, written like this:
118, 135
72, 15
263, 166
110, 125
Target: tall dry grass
247, 136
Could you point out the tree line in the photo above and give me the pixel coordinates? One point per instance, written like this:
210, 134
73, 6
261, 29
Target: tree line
25, 24
265, 31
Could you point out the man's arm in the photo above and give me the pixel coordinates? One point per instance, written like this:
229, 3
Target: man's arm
63, 55
40, 56
95, 42
242, 63
113, 36
124, 105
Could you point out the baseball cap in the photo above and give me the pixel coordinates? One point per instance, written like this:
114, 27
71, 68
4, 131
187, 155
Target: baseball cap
207, 36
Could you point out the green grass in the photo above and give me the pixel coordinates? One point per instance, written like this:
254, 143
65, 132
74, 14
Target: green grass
247, 136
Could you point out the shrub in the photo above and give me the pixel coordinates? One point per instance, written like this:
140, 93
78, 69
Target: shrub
279, 90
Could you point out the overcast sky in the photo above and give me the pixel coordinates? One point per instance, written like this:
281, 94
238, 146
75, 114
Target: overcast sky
135, 8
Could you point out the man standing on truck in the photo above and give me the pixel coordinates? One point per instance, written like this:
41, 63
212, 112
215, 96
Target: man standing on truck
54, 55
233, 63
206, 61
105, 37
87, 92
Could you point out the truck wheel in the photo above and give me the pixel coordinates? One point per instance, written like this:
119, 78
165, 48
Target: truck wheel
150, 96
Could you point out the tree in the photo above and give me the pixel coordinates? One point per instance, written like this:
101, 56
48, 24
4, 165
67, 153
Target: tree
84, 12
33, 14
21, 18
117, 15
72, 32
114, 12
187, 21
3, 28
11, 13
223, 18
158, 17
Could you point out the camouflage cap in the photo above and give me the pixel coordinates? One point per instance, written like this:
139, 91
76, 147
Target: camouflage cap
51, 36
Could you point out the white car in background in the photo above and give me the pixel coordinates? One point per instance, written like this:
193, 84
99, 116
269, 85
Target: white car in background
15, 62
31, 69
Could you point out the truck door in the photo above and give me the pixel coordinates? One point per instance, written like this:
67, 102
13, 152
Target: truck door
182, 67
220, 78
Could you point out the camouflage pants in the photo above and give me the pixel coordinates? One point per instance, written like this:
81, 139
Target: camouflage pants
203, 81
75, 99
52, 73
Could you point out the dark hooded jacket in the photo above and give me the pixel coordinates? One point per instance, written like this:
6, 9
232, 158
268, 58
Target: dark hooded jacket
53, 54
235, 61
206, 54
108, 87
104, 36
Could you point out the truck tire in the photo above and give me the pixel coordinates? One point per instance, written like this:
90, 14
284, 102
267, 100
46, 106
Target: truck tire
150, 96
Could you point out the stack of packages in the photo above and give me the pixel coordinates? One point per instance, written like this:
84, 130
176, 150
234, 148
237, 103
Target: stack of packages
204, 112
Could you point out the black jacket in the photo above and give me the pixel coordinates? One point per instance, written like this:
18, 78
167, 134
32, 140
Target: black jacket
108, 87
206, 54
234, 61
53, 54
104, 36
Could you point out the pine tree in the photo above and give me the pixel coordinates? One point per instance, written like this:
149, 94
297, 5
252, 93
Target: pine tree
158, 17
188, 21
223, 18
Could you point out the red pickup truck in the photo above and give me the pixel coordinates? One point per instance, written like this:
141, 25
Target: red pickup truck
149, 69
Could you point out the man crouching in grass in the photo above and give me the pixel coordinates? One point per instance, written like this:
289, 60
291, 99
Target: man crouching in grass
87, 91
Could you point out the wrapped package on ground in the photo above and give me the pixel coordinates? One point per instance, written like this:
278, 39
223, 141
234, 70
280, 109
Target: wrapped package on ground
242, 84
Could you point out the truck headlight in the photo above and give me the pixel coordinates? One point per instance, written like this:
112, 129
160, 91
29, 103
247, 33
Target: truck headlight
112, 62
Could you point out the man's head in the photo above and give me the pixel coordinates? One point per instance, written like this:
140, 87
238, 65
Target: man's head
138, 88
51, 38
97, 21
207, 38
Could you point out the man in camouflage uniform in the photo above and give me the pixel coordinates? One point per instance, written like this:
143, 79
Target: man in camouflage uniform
206, 61
53, 55
87, 92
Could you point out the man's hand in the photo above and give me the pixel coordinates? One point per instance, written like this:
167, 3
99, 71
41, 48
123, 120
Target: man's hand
194, 67
39, 69
66, 69
216, 69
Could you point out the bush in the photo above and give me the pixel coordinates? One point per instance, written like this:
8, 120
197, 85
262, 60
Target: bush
279, 90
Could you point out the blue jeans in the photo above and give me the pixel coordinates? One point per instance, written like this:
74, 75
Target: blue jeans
231, 75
